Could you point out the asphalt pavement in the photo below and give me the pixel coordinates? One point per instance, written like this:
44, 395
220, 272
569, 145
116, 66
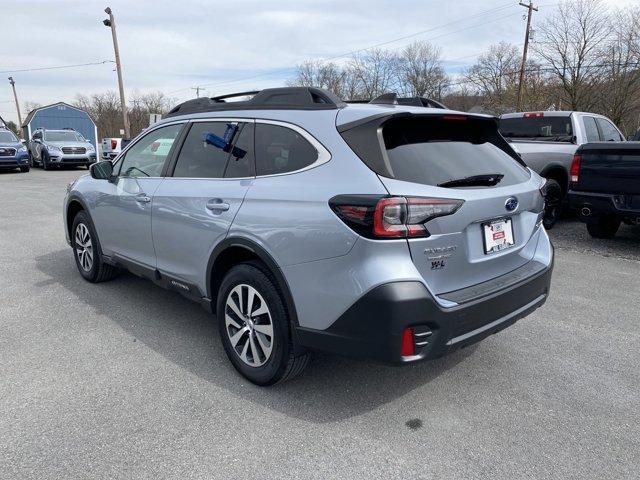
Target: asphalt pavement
126, 380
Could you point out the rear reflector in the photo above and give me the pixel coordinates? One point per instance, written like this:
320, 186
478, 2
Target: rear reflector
408, 348
533, 115
575, 168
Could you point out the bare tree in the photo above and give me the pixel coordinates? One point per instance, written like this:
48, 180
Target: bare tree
29, 106
495, 77
622, 68
571, 42
322, 75
374, 73
420, 71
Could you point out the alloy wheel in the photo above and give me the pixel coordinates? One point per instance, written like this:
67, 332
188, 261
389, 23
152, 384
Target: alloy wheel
249, 325
84, 247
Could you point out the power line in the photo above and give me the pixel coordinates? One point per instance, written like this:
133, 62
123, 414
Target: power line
352, 52
57, 67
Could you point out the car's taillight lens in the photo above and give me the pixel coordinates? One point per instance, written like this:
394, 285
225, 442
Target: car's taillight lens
575, 168
114, 144
391, 217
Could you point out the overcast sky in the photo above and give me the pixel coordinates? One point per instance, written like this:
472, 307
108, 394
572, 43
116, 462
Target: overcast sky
227, 46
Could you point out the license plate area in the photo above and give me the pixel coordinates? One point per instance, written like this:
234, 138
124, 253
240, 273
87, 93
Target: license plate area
497, 235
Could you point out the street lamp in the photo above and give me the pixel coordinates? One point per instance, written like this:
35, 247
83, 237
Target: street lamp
110, 22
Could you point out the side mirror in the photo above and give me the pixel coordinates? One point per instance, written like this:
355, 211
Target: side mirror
101, 170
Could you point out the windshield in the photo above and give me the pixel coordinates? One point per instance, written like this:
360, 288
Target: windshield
552, 129
7, 137
63, 137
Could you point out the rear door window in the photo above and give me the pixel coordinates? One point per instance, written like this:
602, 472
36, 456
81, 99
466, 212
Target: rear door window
609, 132
591, 129
436, 151
281, 150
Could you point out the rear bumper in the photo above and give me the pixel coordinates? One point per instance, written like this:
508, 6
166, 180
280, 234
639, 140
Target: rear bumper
372, 328
605, 203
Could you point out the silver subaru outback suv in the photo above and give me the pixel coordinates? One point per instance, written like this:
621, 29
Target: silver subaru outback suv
383, 231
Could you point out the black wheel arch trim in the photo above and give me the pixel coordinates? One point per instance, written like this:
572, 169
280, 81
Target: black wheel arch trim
266, 258
76, 198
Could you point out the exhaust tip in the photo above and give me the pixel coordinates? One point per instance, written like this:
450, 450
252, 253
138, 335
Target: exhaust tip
586, 211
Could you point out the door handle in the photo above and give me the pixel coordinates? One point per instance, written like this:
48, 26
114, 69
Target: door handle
217, 205
143, 198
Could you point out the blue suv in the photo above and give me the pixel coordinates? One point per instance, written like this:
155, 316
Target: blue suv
13, 154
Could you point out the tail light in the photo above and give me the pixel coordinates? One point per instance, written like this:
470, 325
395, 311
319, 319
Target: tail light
391, 217
575, 168
114, 144
533, 115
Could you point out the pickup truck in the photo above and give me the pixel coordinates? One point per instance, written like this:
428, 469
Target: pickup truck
547, 141
605, 186
111, 147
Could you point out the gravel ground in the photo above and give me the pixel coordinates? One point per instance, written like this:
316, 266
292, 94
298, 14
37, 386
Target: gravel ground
125, 380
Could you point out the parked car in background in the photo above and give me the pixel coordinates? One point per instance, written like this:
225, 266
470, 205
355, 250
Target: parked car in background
379, 231
605, 186
547, 141
636, 137
111, 147
13, 153
60, 148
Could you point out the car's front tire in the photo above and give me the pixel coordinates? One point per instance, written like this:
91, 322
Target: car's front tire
25, 169
254, 326
87, 252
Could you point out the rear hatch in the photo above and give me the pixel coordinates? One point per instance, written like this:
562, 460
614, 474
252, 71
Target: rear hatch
608, 167
456, 157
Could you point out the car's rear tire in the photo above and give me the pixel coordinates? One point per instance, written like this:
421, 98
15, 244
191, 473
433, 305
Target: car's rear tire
603, 226
254, 326
87, 251
552, 203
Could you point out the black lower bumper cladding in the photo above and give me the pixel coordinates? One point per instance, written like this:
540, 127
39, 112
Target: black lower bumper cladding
372, 328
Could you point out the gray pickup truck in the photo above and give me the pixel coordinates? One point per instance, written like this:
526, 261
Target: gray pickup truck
547, 142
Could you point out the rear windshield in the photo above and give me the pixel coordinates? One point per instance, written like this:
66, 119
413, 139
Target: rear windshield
436, 150
551, 129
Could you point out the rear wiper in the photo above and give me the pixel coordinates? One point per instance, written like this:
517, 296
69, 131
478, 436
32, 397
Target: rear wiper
487, 180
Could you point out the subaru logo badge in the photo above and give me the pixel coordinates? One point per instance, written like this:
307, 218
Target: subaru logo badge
511, 204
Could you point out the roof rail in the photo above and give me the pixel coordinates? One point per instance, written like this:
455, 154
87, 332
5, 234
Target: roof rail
393, 99
287, 98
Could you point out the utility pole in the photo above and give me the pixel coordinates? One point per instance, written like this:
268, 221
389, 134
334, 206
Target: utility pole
530, 9
15, 96
197, 89
110, 22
